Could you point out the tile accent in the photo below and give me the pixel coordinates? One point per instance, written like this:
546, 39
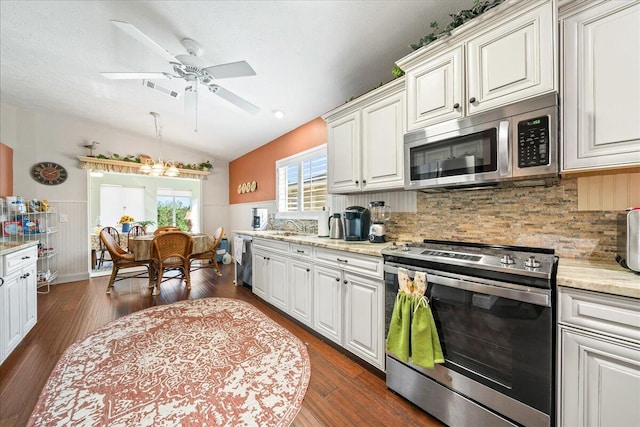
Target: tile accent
527, 216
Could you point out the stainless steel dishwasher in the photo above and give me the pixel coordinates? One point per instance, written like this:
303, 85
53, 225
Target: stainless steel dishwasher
243, 249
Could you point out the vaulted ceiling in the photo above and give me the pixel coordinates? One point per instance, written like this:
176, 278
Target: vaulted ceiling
308, 56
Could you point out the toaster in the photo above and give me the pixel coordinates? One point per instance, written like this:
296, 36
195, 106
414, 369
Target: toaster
628, 254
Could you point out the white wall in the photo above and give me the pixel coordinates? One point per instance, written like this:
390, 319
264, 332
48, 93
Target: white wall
36, 136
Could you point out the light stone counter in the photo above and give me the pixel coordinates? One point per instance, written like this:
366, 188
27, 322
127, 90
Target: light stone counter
361, 247
607, 277
9, 247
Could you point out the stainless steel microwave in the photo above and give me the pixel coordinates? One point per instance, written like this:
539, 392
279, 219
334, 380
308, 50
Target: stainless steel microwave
507, 145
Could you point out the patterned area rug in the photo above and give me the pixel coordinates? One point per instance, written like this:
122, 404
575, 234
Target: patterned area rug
206, 362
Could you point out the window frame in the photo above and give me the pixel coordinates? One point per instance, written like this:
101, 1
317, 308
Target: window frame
298, 158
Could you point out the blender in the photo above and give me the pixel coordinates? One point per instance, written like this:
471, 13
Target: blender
379, 214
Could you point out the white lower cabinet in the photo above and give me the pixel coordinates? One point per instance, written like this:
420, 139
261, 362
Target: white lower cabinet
18, 298
301, 290
338, 294
599, 359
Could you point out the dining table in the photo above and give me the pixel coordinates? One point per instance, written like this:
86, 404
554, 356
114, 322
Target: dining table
140, 246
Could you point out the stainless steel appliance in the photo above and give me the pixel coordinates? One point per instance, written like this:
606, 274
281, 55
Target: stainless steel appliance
336, 228
628, 253
243, 250
356, 223
503, 146
379, 216
258, 218
494, 310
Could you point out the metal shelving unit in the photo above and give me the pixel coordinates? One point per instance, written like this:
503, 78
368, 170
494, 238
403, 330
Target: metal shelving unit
38, 226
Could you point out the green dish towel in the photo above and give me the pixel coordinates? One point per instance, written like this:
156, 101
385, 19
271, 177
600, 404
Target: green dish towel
412, 332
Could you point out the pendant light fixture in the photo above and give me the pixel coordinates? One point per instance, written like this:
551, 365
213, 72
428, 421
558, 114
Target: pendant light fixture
159, 167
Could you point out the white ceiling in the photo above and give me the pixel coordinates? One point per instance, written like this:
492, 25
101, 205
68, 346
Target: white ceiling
309, 56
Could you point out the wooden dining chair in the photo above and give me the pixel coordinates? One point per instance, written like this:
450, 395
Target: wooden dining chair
102, 256
165, 229
170, 251
207, 259
123, 260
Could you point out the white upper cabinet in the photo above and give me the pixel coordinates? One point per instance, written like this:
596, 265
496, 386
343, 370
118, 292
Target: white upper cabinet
503, 56
365, 141
600, 80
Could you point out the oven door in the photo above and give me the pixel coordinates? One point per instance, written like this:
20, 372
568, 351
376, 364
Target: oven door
497, 340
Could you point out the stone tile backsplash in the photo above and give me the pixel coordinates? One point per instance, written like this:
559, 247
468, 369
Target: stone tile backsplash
528, 216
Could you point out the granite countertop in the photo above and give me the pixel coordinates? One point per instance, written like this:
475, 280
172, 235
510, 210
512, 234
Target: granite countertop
600, 276
9, 247
607, 277
360, 247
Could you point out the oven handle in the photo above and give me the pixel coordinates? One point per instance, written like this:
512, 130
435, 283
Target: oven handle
533, 296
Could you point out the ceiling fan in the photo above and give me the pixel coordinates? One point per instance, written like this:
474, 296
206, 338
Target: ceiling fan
187, 67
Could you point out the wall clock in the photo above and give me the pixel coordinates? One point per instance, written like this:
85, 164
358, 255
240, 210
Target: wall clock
49, 173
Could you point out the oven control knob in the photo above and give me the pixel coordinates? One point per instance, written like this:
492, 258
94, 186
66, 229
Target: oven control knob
393, 246
507, 260
406, 247
532, 262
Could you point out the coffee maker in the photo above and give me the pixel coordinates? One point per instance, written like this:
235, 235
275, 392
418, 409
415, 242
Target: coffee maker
356, 223
259, 218
379, 215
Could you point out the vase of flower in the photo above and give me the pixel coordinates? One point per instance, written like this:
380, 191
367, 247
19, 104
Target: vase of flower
126, 226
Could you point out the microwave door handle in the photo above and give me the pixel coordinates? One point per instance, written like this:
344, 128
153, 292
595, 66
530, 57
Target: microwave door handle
503, 149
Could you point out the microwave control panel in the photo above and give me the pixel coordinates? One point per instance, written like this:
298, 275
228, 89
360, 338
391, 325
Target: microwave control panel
533, 142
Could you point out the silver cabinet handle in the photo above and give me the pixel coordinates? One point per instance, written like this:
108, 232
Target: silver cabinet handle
342, 260
1, 281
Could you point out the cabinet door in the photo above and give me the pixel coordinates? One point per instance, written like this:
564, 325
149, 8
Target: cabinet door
600, 382
364, 318
327, 308
12, 311
512, 61
343, 154
601, 88
278, 286
30, 284
434, 90
383, 144
301, 290
259, 285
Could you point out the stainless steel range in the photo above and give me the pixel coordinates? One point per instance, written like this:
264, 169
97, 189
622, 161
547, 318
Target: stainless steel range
494, 309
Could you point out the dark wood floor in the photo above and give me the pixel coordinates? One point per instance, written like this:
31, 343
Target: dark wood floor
341, 391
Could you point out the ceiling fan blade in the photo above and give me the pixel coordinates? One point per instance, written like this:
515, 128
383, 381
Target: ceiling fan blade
234, 99
138, 76
232, 69
144, 39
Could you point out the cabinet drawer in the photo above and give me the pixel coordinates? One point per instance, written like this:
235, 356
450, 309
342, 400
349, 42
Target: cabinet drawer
16, 260
301, 251
271, 245
602, 313
348, 261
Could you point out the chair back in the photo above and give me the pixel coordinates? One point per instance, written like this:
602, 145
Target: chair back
172, 247
113, 232
111, 245
136, 230
217, 237
165, 229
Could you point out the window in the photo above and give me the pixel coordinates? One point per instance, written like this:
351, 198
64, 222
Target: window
302, 181
173, 206
118, 200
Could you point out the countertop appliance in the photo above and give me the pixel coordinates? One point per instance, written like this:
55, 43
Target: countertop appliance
336, 228
258, 218
356, 223
379, 216
628, 253
494, 310
510, 145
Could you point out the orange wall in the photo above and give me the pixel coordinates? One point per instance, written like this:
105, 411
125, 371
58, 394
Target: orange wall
260, 164
6, 171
